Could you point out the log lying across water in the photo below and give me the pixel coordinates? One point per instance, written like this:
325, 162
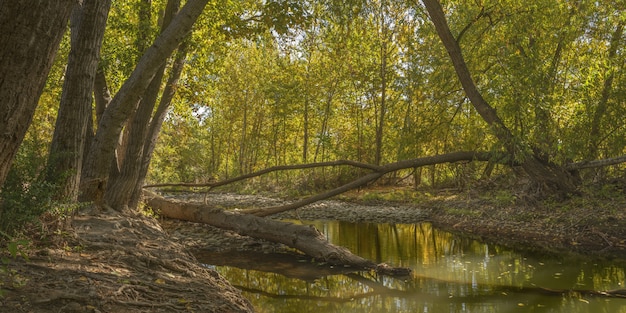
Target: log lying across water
304, 238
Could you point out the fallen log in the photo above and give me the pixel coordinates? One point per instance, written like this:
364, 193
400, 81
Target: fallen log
306, 239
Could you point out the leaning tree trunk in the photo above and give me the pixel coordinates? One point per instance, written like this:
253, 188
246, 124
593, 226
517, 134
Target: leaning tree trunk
306, 239
542, 172
102, 152
157, 121
121, 188
30, 33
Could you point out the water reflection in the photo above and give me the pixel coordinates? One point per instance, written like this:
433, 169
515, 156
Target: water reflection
451, 274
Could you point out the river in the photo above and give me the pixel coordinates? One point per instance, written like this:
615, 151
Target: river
451, 273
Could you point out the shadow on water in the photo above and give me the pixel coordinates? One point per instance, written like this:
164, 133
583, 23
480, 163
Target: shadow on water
291, 265
451, 274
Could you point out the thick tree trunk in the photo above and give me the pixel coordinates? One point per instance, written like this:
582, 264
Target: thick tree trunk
542, 172
30, 33
306, 239
98, 163
66, 152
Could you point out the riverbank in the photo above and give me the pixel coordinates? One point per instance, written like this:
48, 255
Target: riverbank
592, 225
103, 261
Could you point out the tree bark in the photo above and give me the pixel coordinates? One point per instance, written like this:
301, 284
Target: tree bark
380, 119
98, 163
121, 187
30, 33
66, 152
306, 239
102, 94
157, 121
540, 171
596, 163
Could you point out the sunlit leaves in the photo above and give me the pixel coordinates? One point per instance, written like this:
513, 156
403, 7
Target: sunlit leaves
267, 80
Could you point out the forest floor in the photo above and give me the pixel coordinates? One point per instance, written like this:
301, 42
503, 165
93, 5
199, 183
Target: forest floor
110, 262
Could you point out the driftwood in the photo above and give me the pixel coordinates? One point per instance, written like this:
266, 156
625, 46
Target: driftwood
306, 239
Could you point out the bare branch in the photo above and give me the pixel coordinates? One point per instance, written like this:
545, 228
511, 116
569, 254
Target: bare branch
382, 170
362, 181
269, 170
596, 163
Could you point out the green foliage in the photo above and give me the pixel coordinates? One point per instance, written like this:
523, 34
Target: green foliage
25, 195
394, 195
23, 202
283, 82
502, 197
14, 247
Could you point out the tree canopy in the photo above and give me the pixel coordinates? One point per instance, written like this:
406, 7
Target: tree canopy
232, 88
369, 78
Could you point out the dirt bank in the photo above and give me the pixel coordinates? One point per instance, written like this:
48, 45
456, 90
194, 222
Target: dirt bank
108, 262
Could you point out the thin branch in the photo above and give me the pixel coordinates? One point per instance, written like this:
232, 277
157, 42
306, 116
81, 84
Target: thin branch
382, 170
269, 170
596, 163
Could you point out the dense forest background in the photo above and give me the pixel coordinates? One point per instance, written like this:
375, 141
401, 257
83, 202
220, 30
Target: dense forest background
278, 82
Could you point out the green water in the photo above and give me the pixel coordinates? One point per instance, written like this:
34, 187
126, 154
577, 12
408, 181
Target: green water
451, 274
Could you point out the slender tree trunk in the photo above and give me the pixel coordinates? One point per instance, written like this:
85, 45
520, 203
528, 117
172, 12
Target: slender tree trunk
121, 187
324, 128
30, 33
598, 114
380, 123
305, 137
243, 142
157, 122
65, 158
544, 173
98, 164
